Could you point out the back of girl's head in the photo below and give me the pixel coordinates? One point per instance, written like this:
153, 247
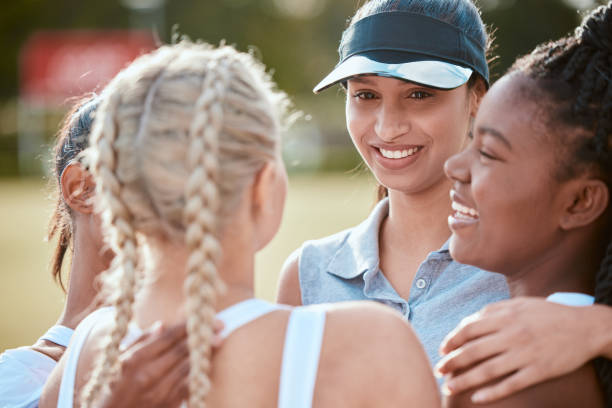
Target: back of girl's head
574, 80
72, 139
178, 137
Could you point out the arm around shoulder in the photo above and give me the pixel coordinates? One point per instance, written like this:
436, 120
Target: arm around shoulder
289, 291
580, 388
599, 318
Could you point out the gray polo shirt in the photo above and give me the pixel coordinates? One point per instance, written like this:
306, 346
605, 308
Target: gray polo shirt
344, 266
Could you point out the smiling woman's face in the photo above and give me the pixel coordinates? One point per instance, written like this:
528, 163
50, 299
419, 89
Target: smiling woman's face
506, 199
405, 131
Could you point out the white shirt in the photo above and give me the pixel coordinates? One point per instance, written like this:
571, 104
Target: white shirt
303, 340
571, 299
23, 371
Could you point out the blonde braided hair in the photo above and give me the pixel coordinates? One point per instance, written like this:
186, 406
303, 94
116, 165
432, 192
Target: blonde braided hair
202, 203
178, 137
117, 220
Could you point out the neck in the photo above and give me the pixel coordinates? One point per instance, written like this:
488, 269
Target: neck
569, 267
163, 297
86, 265
419, 220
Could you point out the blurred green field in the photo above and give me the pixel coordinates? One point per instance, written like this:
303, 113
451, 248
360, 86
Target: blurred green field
30, 302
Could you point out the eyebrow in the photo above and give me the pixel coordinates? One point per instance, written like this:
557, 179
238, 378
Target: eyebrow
496, 134
361, 79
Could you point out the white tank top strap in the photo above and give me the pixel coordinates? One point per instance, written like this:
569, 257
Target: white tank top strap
66, 393
301, 354
244, 312
58, 334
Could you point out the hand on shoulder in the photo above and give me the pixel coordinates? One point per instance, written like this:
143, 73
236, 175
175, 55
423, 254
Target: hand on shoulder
525, 341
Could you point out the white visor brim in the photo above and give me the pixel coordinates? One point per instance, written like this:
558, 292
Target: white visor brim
432, 73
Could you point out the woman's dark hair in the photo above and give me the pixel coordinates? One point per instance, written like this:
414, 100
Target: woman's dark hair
462, 14
72, 139
575, 75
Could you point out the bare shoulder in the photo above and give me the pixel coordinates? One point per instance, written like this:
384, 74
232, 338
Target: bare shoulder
371, 319
382, 358
289, 291
577, 389
50, 392
92, 348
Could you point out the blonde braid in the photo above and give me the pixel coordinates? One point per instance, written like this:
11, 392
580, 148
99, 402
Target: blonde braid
117, 220
180, 132
201, 210
114, 196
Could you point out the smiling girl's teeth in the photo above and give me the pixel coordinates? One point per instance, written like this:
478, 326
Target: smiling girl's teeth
398, 154
461, 209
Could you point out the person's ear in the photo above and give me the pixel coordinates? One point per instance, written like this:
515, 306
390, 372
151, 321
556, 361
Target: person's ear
585, 202
261, 191
477, 92
77, 188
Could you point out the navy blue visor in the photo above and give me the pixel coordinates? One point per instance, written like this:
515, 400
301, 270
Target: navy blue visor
411, 47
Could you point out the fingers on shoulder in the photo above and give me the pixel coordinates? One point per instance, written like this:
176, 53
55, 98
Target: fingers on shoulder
289, 291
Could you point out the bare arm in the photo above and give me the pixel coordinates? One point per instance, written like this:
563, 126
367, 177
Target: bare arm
289, 291
599, 318
577, 389
526, 337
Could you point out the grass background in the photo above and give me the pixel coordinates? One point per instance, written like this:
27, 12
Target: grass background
30, 302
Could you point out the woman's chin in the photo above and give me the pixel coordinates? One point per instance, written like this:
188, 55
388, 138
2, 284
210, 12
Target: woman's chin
460, 250
403, 183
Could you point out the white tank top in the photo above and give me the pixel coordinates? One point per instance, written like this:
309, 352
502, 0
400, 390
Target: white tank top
301, 352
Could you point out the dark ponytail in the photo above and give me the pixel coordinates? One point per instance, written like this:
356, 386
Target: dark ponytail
72, 139
575, 73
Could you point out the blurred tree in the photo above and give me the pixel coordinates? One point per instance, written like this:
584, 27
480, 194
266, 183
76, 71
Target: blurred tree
519, 25
297, 39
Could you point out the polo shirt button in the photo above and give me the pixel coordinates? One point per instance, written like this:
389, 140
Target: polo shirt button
420, 283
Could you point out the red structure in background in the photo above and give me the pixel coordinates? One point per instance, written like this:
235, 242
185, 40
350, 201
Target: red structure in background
56, 65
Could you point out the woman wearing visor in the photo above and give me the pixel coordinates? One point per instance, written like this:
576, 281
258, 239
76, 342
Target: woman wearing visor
414, 72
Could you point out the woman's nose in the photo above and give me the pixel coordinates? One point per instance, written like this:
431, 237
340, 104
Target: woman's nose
457, 167
391, 122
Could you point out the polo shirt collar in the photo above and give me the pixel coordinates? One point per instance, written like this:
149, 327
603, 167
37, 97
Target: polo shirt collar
359, 252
